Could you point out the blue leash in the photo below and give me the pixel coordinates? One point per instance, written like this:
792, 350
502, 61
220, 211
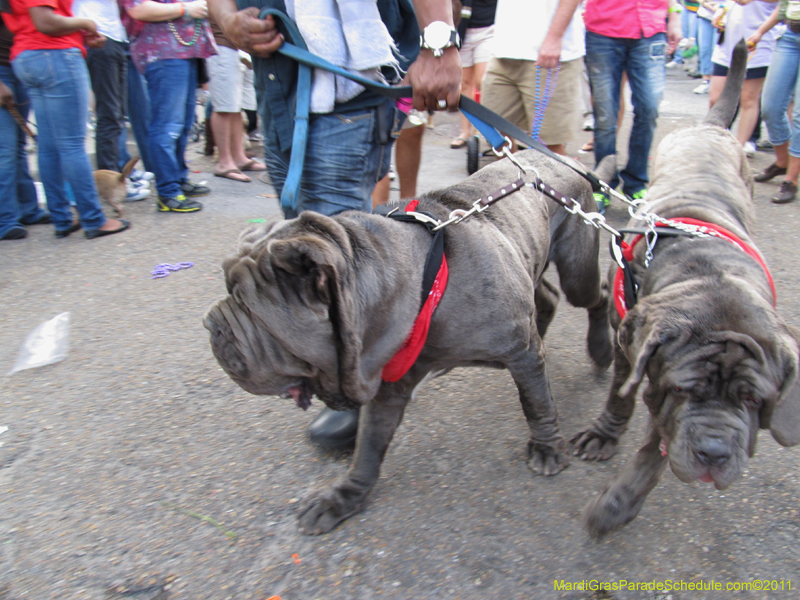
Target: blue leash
488, 123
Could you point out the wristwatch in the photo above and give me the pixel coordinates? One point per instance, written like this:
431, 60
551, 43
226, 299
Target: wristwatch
437, 36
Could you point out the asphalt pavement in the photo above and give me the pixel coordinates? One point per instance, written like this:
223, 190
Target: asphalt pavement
136, 469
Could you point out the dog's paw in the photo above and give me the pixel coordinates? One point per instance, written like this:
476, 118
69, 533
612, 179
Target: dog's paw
592, 445
545, 459
323, 509
611, 510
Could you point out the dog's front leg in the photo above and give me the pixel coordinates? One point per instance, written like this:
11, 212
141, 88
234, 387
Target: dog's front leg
547, 450
622, 500
599, 441
324, 509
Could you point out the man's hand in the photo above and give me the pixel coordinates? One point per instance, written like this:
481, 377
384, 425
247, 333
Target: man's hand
549, 53
94, 40
247, 32
436, 78
6, 96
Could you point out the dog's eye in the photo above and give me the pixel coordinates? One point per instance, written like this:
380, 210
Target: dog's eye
751, 402
677, 390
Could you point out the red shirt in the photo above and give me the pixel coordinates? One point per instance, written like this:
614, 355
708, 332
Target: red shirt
27, 37
631, 19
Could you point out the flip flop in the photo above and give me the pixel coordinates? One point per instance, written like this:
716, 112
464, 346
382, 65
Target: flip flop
587, 147
229, 174
458, 143
251, 166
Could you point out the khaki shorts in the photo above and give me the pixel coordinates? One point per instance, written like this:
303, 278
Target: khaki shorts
476, 47
230, 82
509, 89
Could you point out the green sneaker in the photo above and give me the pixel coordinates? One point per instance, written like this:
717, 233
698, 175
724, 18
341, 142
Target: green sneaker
602, 202
178, 204
640, 194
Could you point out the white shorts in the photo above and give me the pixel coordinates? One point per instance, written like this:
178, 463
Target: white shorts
230, 82
477, 46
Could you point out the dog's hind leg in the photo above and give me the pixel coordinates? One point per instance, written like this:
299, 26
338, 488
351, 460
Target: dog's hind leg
622, 500
547, 450
546, 299
325, 508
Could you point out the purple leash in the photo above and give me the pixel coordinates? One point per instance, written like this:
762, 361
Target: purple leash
164, 269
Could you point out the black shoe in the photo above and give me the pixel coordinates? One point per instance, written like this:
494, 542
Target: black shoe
178, 204
193, 190
787, 193
43, 220
15, 233
96, 233
771, 171
334, 430
62, 233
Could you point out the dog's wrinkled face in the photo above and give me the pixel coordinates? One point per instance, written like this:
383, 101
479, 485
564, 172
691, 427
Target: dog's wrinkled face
710, 392
274, 333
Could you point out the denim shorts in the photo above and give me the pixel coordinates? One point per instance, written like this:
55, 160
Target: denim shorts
346, 155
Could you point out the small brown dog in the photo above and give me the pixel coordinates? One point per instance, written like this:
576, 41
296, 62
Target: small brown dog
111, 186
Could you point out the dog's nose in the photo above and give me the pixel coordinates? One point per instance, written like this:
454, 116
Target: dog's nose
713, 451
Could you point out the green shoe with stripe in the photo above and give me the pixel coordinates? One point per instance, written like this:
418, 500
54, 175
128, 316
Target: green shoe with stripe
602, 202
179, 204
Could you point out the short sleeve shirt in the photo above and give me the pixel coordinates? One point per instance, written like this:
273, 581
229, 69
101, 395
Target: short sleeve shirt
629, 19
27, 37
155, 41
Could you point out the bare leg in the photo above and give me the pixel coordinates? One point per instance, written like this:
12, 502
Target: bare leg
221, 125
407, 158
748, 112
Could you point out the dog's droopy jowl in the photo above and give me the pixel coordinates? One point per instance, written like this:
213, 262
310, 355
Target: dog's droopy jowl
720, 361
318, 305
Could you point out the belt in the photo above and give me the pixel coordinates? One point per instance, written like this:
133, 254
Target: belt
794, 26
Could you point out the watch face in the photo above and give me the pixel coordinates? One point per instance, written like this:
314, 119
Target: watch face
437, 34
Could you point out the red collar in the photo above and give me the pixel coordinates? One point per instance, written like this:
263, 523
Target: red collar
721, 232
407, 355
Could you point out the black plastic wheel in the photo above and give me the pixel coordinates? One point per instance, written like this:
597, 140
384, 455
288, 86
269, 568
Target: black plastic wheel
473, 154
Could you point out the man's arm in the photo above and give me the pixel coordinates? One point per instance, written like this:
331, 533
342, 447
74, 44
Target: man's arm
550, 51
435, 78
46, 21
155, 12
674, 27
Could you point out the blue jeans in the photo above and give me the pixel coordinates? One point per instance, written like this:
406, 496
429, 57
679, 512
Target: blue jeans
58, 84
18, 203
643, 59
781, 84
138, 111
171, 84
343, 160
689, 21
706, 40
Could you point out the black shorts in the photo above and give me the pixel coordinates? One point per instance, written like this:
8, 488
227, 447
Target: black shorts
754, 73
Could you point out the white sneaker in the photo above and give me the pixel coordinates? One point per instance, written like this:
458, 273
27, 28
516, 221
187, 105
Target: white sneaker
749, 148
141, 184
136, 194
588, 124
673, 63
137, 175
702, 88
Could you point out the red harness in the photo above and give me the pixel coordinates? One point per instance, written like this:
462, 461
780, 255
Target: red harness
407, 355
721, 232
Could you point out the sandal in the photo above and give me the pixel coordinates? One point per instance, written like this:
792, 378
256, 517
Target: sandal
253, 165
232, 175
458, 143
588, 147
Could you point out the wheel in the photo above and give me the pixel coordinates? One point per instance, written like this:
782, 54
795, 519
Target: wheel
473, 154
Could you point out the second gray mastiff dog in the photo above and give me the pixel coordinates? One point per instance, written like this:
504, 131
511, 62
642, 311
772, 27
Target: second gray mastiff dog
319, 305
720, 361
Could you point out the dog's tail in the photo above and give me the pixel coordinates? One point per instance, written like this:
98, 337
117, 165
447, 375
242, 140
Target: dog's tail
128, 168
724, 111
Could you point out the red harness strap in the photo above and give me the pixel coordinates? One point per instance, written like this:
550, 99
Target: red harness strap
721, 232
407, 355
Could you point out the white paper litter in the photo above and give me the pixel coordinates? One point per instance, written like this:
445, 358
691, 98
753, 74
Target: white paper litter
45, 345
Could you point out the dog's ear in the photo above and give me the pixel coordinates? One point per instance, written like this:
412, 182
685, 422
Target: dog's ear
642, 332
784, 423
320, 257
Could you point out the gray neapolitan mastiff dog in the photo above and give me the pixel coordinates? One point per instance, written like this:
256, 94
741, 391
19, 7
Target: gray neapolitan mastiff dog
720, 361
318, 305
